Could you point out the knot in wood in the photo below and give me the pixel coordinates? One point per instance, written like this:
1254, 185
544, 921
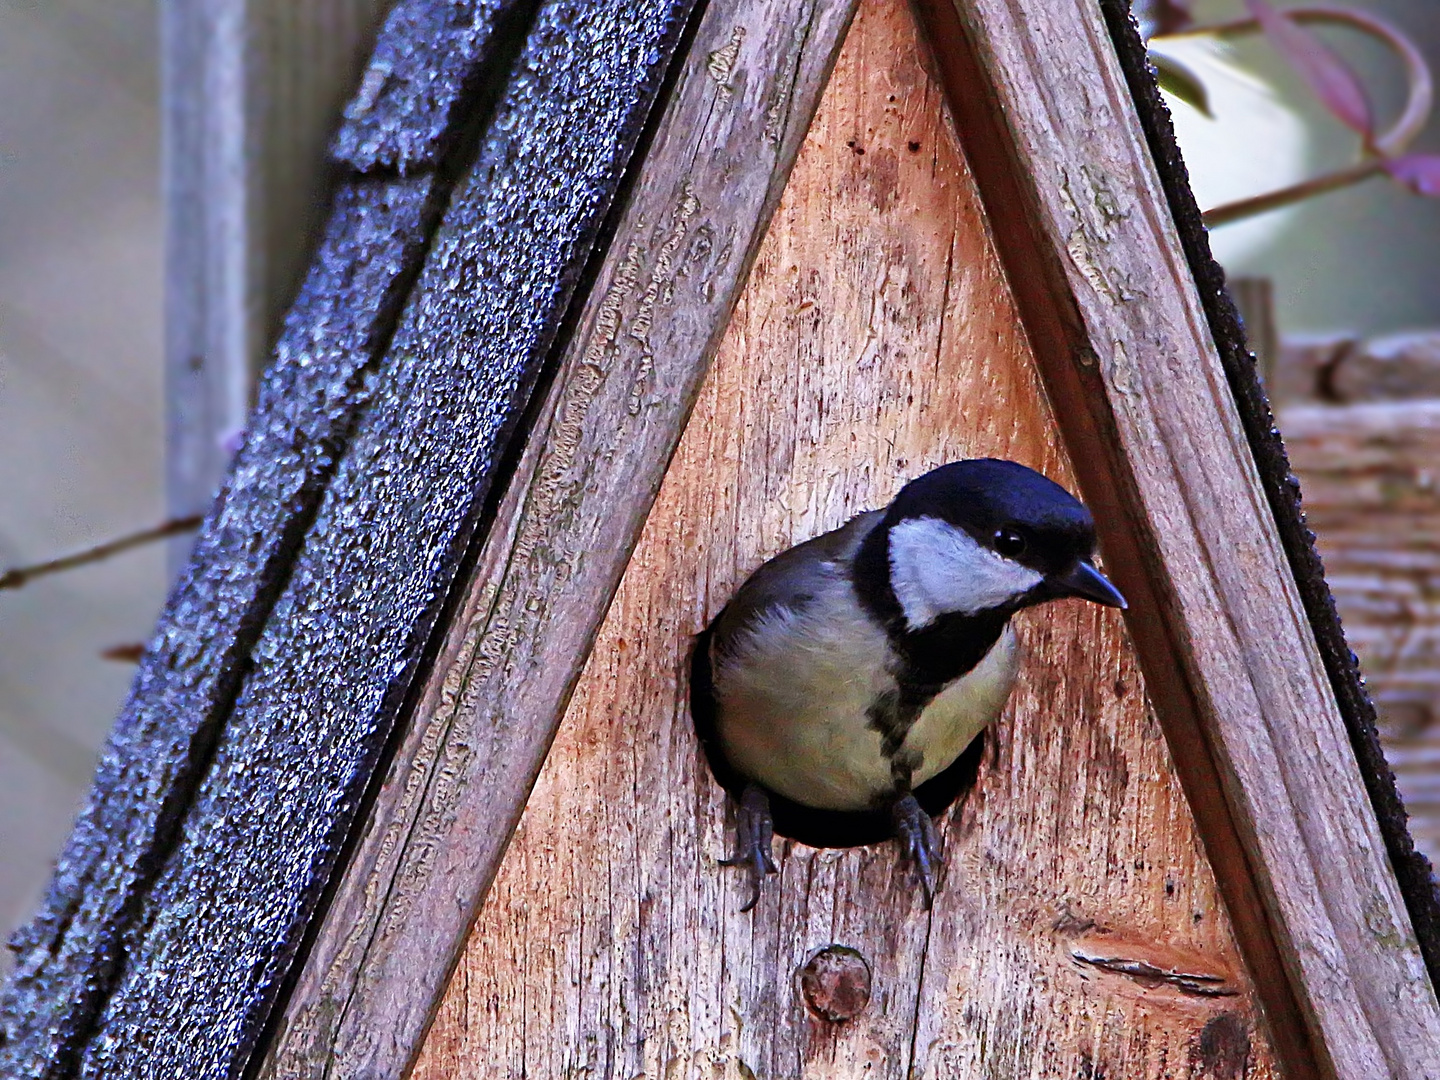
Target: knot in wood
835, 982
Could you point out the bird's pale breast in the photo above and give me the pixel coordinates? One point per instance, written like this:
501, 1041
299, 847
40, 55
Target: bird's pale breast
794, 690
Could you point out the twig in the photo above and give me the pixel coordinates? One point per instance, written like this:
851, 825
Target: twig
19, 575
1273, 200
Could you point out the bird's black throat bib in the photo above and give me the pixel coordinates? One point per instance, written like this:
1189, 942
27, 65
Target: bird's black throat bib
935, 655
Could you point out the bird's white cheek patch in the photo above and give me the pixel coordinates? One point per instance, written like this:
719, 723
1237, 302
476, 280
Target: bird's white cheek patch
937, 569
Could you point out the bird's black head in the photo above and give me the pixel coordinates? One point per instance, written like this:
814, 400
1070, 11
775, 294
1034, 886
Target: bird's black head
984, 536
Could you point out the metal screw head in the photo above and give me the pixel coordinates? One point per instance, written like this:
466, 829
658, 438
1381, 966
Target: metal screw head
835, 983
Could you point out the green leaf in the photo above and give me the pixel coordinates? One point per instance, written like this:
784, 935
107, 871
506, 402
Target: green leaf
1177, 79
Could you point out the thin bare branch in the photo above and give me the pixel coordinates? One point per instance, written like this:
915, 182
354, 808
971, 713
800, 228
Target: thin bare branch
124, 654
17, 576
1274, 200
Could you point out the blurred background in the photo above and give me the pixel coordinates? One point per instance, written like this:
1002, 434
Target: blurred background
82, 425
1342, 292
118, 411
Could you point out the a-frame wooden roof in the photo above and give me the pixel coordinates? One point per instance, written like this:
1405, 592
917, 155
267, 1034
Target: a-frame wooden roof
455, 451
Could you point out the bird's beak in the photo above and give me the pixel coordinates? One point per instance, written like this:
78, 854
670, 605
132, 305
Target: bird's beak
1085, 581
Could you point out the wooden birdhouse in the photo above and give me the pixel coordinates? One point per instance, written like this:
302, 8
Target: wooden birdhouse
616, 302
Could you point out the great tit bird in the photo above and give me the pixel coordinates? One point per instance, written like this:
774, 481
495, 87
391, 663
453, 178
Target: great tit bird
851, 671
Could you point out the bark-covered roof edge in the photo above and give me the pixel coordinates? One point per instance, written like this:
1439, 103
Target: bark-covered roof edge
1282, 488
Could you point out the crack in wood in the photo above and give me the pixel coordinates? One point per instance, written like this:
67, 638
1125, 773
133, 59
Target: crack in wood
1200, 983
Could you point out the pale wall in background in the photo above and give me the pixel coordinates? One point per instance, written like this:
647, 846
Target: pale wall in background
81, 426
254, 89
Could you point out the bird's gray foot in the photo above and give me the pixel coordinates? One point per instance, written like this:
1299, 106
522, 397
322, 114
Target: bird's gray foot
919, 843
754, 829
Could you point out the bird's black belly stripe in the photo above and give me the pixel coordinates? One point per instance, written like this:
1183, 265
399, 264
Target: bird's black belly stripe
930, 660
935, 656
893, 713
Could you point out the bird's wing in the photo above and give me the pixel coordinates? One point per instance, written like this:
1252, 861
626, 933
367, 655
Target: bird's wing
795, 577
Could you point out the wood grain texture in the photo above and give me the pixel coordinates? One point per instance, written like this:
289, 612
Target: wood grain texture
1161, 452
562, 537
1079, 931
1381, 590
1413, 872
1370, 494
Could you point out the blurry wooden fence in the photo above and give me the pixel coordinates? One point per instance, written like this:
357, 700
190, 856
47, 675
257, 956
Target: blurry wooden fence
1361, 420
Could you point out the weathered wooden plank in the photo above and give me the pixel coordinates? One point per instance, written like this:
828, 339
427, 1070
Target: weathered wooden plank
214, 938
1345, 370
251, 91
876, 338
68, 954
426, 71
628, 379
1195, 540
1371, 497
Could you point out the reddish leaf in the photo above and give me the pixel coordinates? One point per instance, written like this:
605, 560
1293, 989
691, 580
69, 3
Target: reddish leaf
1419, 172
1330, 78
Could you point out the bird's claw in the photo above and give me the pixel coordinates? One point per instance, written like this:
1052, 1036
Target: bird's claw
919, 843
754, 829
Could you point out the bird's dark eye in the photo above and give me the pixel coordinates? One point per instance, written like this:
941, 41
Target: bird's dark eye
1009, 543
